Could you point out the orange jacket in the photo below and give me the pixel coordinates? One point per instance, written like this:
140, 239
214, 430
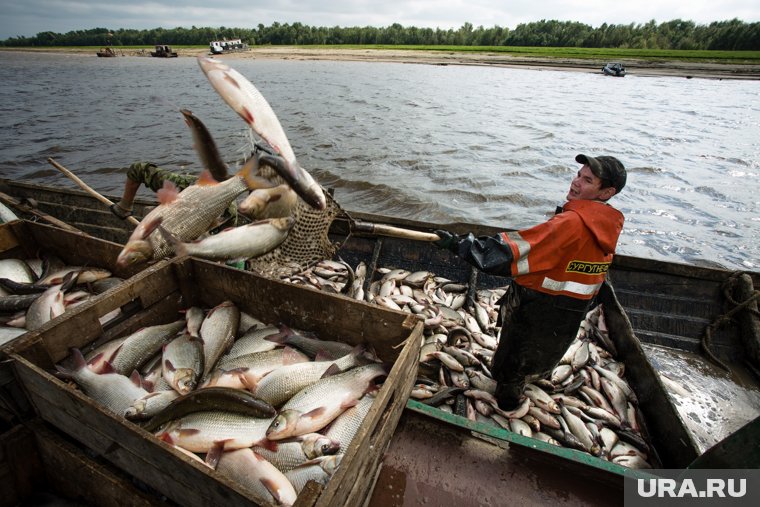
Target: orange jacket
567, 255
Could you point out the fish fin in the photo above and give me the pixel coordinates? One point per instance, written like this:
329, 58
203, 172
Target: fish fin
271, 486
206, 179
168, 193
136, 378
151, 226
166, 438
316, 412
334, 369
213, 455
252, 180
188, 432
107, 368
323, 355
269, 445
168, 365
179, 248
349, 404
292, 356
94, 359
149, 386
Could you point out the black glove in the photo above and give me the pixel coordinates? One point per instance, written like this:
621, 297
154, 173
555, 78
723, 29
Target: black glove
447, 241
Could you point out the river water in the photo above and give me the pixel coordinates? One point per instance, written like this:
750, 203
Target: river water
435, 143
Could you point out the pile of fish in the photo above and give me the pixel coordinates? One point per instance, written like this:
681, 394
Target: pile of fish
181, 223
270, 407
34, 291
585, 404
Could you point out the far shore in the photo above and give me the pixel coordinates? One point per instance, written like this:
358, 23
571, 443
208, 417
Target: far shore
634, 67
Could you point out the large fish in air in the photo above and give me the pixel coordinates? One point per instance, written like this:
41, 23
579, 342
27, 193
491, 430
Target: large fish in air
250, 104
186, 215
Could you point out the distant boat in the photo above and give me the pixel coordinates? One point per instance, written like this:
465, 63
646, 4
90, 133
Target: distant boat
219, 47
614, 69
163, 51
107, 52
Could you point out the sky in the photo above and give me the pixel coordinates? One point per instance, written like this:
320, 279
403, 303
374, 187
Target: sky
27, 18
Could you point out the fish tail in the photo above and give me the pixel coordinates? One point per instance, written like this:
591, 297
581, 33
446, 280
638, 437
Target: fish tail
179, 247
249, 174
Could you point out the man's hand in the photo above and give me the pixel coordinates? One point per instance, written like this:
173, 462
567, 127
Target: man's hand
447, 240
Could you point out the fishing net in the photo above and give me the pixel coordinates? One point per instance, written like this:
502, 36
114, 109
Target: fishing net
307, 242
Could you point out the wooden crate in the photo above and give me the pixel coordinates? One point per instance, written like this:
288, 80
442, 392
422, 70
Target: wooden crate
161, 291
40, 465
24, 240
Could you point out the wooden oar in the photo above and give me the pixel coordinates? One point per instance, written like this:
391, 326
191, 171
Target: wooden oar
88, 189
394, 232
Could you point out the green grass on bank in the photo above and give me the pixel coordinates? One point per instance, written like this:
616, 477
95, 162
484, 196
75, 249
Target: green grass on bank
606, 54
751, 57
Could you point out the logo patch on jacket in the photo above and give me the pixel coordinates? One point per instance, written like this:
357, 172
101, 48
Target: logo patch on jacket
587, 268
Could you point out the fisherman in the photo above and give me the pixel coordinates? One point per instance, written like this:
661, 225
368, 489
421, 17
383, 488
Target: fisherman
557, 268
152, 177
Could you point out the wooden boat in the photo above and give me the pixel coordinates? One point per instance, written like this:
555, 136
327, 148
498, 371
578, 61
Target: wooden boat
224, 46
657, 310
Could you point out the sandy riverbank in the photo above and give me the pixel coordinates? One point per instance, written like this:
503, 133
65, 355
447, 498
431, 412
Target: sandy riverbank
634, 67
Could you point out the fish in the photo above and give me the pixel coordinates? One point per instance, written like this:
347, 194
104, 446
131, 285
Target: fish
212, 398
275, 202
182, 363
263, 479
205, 146
218, 333
236, 243
311, 346
312, 408
252, 341
45, 308
140, 346
248, 102
319, 470
150, 404
297, 451
215, 430
186, 215
244, 372
114, 391
344, 428
194, 317
284, 382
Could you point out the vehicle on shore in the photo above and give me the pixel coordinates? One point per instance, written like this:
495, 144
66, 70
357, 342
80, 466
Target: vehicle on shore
614, 69
107, 52
220, 47
163, 51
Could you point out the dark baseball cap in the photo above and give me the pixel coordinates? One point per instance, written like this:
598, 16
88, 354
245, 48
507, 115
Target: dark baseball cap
608, 169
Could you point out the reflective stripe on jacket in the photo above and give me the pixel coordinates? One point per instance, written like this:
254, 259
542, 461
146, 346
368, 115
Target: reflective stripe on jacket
568, 255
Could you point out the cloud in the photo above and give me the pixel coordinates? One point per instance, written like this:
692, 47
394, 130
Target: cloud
30, 17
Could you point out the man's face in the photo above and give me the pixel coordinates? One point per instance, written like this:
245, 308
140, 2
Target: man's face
587, 186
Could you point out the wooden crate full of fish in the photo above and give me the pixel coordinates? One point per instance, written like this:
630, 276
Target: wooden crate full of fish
235, 430
35, 260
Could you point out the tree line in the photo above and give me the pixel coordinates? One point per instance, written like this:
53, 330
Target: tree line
676, 34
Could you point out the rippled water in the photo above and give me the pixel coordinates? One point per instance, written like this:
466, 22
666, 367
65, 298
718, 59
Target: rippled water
435, 143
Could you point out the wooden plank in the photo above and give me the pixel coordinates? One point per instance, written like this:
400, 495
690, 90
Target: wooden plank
74, 475
396, 336
675, 445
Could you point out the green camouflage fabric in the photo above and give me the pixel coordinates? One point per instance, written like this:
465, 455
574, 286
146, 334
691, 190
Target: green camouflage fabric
153, 177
